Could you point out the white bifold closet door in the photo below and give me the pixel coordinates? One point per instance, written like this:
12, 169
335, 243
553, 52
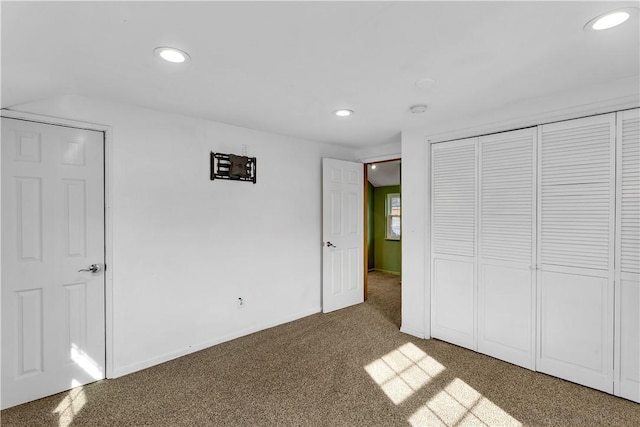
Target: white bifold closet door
453, 241
506, 246
627, 304
576, 214
483, 244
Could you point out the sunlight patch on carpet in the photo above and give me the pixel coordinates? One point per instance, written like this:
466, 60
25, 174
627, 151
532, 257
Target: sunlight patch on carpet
403, 371
461, 405
71, 405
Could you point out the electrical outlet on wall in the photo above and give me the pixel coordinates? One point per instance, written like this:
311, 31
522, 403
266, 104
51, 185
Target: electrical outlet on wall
240, 302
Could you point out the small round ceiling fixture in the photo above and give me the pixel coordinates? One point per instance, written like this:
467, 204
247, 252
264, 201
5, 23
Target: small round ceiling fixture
343, 113
425, 83
609, 19
418, 109
373, 166
171, 54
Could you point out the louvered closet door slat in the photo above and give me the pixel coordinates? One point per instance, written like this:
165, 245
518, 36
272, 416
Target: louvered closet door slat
630, 195
453, 205
506, 301
506, 193
576, 186
576, 197
453, 229
627, 360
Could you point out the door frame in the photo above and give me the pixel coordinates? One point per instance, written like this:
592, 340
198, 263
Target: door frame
107, 131
367, 162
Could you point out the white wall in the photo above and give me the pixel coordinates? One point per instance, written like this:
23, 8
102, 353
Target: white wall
185, 248
378, 153
414, 241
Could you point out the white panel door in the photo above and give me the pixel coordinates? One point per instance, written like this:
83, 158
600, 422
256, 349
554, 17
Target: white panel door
343, 234
506, 254
53, 335
627, 305
575, 250
453, 241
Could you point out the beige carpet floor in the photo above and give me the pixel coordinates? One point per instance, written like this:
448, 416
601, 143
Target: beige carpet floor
352, 367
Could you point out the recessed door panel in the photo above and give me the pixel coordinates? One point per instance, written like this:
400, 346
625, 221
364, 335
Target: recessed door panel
29, 324
354, 260
353, 213
629, 354
73, 152
337, 269
336, 213
27, 146
575, 328
506, 322
75, 217
29, 218
453, 289
76, 318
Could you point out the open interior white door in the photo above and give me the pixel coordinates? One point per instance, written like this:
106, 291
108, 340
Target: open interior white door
53, 325
342, 230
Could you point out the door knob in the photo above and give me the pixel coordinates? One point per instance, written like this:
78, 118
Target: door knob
93, 268
331, 245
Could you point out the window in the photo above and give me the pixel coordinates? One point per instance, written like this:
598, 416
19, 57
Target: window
393, 216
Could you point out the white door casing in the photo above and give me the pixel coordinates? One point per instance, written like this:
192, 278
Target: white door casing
575, 250
343, 234
506, 246
627, 292
53, 315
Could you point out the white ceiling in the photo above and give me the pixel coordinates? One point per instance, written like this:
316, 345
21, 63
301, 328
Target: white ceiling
284, 67
385, 174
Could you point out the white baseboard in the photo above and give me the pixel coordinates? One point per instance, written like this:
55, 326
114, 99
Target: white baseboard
134, 367
412, 332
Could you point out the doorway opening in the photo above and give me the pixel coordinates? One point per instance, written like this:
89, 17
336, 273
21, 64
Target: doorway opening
383, 233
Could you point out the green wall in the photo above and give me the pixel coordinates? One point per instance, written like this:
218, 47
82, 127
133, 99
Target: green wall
387, 253
370, 229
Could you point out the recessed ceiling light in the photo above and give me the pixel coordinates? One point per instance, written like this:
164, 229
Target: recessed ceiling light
609, 19
373, 166
172, 54
343, 113
418, 109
